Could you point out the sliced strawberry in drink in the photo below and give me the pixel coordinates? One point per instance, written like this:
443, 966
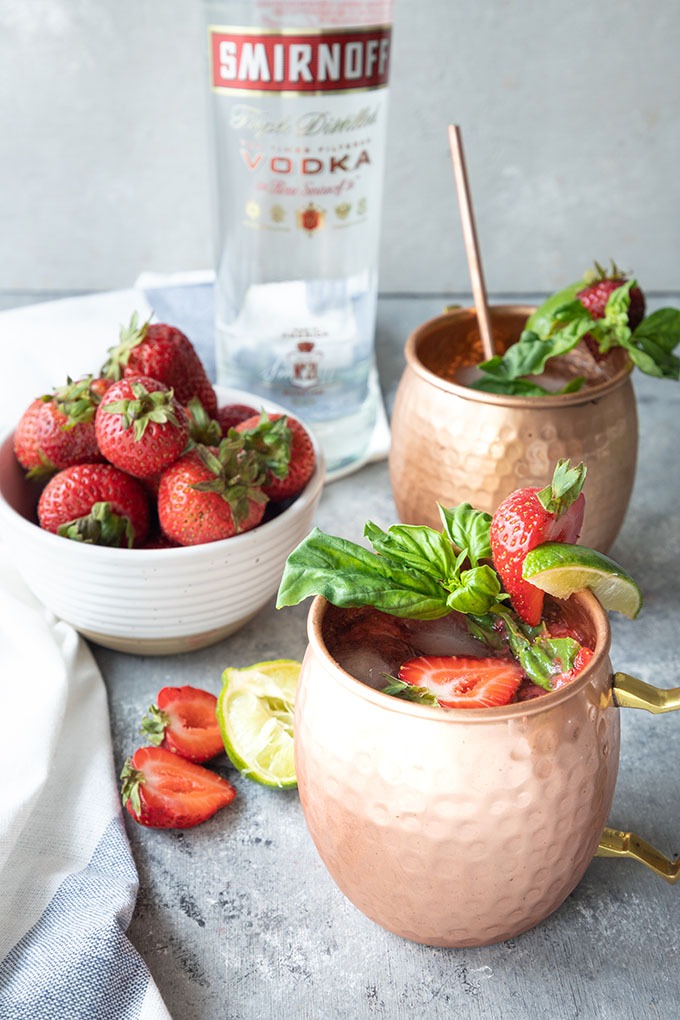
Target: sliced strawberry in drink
460, 682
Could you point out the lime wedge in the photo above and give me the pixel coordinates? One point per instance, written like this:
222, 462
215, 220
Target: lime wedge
561, 569
255, 713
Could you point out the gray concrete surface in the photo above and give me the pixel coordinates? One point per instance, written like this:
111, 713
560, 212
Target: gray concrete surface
238, 919
569, 115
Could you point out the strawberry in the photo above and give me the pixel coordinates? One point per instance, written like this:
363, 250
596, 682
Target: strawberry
527, 518
66, 433
164, 353
211, 493
163, 791
601, 284
57, 430
140, 426
97, 504
183, 720
286, 452
459, 682
231, 415
26, 447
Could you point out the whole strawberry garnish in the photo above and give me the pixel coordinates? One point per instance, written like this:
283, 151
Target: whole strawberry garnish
164, 791
286, 452
211, 493
164, 353
455, 681
140, 426
527, 518
601, 284
183, 720
97, 504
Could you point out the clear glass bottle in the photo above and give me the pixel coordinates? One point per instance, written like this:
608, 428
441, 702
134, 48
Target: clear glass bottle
299, 98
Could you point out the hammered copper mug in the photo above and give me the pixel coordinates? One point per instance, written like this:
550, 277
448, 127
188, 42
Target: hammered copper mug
464, 827
452, 444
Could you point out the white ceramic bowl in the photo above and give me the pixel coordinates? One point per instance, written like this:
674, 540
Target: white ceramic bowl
155, 601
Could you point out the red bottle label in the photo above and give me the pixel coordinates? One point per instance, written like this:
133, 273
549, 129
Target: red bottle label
251, 60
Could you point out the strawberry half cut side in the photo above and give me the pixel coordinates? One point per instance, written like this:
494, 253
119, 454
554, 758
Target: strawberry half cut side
461, 682
163, 791
183, 720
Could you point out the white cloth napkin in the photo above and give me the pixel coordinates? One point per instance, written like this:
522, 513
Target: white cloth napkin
67, 879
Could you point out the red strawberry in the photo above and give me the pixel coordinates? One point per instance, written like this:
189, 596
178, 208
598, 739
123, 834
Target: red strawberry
183, 720
164, 353
601, 284
459, 682
66, 432
57, 430
97, 504
286, 451
231, 415
163, 791
141, 427
26, 447
211, 493
527, 518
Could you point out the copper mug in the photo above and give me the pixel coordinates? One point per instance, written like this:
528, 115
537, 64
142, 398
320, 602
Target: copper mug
464, 827
452, 444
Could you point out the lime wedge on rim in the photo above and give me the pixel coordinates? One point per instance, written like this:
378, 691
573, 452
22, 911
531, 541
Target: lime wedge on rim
561, 569
255, 714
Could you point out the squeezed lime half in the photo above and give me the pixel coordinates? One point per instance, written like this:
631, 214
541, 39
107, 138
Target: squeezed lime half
255, 713
561, 569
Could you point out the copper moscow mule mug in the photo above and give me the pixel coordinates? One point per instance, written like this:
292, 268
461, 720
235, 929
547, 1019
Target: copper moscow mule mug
452, 444
464, 827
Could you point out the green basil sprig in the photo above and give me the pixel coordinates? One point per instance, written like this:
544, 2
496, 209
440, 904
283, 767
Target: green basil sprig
561, 322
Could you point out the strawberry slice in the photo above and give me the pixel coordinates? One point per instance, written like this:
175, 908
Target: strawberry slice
527, 518
460, 682
163, 791
183, 720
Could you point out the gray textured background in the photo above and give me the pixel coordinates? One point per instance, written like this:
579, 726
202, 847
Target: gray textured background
569, 115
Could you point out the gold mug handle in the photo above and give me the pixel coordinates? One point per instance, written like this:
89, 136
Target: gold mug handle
630, 692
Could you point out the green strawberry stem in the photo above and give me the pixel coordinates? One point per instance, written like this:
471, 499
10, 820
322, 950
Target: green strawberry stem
154, 725
130, 337
102, 526
564, 489
237, 473
146, 406
271, 441
76, 401
132, 779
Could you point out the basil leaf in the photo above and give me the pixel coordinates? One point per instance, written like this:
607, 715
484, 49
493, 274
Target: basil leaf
661, 328
468, 529
478, 592
543, 319
561, 651
415, 546
400, 689
349, 575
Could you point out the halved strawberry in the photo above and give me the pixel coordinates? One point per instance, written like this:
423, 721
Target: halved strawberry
163, 791
460, 682
183, 720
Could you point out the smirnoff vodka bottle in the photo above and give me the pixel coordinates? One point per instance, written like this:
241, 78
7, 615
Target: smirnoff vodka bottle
299, 98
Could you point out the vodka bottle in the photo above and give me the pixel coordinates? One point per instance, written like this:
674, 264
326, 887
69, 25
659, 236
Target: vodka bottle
299, 100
